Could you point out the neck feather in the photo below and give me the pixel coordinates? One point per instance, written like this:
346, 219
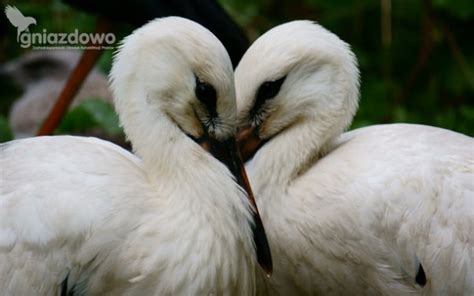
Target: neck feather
289, 154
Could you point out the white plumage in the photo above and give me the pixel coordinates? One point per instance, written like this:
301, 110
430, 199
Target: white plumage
83, 216
382, 210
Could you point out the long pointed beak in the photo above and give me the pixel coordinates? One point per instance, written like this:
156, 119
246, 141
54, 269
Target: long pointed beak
248, 142
227, 152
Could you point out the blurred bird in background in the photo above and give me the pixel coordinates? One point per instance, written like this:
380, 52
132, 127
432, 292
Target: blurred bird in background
41, 75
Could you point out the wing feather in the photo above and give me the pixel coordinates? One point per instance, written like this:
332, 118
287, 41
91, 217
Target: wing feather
58, 197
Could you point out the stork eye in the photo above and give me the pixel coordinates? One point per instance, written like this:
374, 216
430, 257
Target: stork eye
269, 89
207, 95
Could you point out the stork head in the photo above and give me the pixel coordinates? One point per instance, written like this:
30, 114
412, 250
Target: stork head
296, 76
177, 70
173, 81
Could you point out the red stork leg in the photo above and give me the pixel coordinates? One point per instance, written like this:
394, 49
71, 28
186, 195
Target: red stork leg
77, 77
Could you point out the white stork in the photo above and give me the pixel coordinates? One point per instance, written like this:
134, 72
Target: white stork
81, 216
382, 210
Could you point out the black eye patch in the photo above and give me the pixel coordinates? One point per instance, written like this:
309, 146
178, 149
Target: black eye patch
207, 95
267, 90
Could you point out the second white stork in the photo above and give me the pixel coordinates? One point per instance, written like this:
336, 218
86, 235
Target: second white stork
382, 210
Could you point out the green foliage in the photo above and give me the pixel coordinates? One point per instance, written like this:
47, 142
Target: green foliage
55, 16
9, 91
5, 132
90, 114
462, 9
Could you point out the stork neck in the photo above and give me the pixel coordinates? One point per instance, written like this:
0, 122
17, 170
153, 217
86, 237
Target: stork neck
155, 139
192, 177
289, 154
165, 151
207, 208
175, 162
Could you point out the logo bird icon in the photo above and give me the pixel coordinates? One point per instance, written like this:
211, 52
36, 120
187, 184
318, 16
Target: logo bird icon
18, 20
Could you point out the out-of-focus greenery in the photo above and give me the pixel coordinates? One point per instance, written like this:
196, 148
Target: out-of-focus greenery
55, 16
91, 113
5, 132
52, 15
416, 57
418, 69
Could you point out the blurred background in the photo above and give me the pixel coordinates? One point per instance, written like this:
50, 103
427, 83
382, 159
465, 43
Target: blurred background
416, 58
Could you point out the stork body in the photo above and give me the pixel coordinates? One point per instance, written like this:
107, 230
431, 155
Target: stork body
382, 210
83, 216
91, 215
363, 220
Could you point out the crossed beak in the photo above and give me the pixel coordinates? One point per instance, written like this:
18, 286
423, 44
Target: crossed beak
248, 142
226, 152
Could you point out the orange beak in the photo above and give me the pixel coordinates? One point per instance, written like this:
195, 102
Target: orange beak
248, 142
